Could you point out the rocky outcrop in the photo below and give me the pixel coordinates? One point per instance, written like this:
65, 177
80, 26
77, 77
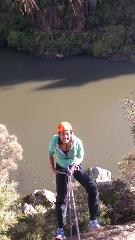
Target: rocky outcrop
38, 197
99, 174
117, 207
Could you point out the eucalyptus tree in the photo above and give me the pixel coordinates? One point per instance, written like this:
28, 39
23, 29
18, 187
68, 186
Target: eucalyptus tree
49, 15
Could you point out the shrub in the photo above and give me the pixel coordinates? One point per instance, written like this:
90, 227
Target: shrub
114, 36
114, 12
21, 40
8, 205
98, 49
15, 39
127, 169
10, 152
3, 33
18, 23
110, 41
45, 3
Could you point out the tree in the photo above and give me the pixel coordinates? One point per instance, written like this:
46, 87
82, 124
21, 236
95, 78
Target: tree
49, 15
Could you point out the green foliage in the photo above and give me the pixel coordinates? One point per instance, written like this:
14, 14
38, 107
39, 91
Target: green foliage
109, 30
45, 3
3, 33
119, 201
103, 15
11, 22
98, 49
110, 41
21, 41
18, 22
114, 36
8, 206
126, 168
104, 217
4, 237
114, 12
29, 228
10, 152
46, 44
40, 226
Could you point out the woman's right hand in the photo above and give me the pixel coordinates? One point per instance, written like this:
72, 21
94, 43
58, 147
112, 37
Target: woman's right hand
54, 170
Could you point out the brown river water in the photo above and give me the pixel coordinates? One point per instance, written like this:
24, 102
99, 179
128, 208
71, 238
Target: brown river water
35, 94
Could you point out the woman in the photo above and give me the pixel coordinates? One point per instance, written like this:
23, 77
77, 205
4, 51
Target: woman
66, 152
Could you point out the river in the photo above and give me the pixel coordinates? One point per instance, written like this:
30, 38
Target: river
36, 94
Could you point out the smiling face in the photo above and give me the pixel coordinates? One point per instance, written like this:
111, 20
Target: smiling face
65, 136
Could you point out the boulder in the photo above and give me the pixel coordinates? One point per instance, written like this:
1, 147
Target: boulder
29, 209
99, 174
41, 197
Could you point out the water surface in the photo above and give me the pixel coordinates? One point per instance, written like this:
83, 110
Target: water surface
35, 94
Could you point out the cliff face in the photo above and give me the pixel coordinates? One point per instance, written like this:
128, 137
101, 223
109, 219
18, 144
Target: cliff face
117, 209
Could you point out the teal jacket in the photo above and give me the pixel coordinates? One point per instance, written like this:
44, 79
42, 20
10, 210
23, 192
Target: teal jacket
64, 160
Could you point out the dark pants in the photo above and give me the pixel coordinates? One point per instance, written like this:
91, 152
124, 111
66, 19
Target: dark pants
61, 199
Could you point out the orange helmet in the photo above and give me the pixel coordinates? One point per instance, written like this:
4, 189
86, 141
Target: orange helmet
64, 126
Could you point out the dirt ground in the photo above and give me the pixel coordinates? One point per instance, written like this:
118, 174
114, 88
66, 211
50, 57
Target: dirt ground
117, 232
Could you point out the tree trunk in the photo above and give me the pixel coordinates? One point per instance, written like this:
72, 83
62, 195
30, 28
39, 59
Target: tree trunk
78, 19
